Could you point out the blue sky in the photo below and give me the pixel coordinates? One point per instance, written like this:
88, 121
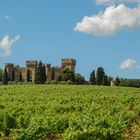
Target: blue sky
48, 30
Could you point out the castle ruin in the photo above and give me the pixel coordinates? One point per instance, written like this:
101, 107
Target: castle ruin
17, 73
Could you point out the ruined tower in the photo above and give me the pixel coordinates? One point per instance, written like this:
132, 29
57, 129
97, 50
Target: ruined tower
10, 68
68, 63
31, 65
24, 74
48, 72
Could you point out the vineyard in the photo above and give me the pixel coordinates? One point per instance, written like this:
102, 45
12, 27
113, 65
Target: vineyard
69, 112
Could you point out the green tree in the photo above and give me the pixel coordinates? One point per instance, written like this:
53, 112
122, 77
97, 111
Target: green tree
5, 77
68, 75
59, 78
43, 74
52, 73
1, 74
13, 75
92, 78
110, 78
20, 77
28, 75
105, 80
117, 81
79, 79
40, 74
100, 75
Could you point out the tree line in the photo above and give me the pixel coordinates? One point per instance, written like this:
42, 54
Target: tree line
98, 77
101, 78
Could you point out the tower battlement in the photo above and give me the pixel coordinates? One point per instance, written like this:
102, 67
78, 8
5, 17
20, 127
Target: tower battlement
9, 64
31, 63
48, 65
68, 61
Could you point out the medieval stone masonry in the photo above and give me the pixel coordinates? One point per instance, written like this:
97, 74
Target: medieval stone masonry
17, 73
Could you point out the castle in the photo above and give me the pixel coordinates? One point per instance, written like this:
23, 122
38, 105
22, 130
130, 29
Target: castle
17, 73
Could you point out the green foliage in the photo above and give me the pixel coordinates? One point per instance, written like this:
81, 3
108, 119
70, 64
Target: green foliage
13, 75
70, 112
105, 81
20, 77
1, 74
5, 77
130, 82
79, 79
100, 75
110, 78
40, 74
68, 75
52, 73
28, 75
92, 78
43, 74
117, 81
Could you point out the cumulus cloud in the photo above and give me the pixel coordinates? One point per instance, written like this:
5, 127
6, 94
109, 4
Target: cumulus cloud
129, 64
6, 44
114, 19
110, 2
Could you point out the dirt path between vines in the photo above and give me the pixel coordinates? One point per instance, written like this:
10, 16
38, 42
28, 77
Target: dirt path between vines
133, 132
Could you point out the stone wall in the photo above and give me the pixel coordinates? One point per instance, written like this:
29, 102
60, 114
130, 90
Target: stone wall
52, 73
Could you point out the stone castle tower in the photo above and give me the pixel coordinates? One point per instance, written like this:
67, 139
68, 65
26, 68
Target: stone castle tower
48, 72
68, 63
52, 73
31, 65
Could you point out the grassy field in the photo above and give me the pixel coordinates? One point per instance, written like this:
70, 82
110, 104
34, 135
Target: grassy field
55, 112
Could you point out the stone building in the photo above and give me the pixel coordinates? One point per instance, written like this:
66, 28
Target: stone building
69, 63
17, 73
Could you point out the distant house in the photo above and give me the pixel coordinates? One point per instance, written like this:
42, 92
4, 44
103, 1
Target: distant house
112, 83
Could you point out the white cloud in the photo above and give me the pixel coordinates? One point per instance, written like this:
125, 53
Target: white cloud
6, 18
129, 64
6, 44
110, 2
112, 20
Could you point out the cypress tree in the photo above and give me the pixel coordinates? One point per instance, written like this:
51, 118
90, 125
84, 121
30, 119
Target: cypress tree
100, 75
52, 74
13, 75
117, 81
38, 73
20, 77
28, 75
5, 77
1, 74
105, 80
36, 76
43, 74
92, 78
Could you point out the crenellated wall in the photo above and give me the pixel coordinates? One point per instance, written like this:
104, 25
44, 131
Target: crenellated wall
52, 73
68, 63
